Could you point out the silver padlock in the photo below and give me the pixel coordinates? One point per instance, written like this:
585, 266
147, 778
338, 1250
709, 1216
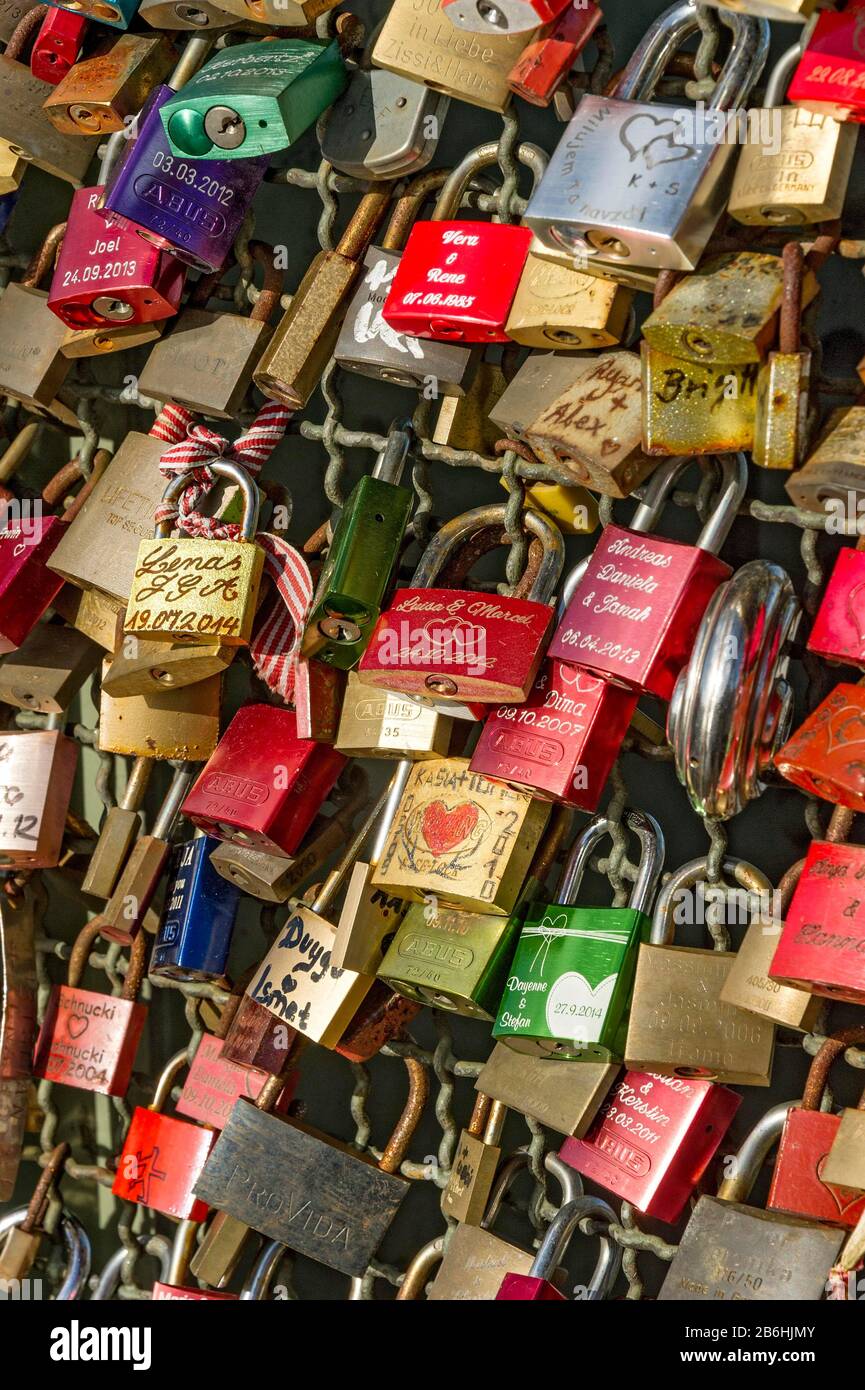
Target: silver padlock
635, 183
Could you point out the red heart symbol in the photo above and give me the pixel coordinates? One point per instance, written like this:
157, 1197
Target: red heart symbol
845, 1198
444, 828
77, 1025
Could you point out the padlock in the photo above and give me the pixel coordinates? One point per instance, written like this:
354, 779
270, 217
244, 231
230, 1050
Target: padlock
833, 471
291, 365
843, 1165
466, 646
162, 1157
187, 588
198, 917
569, 984
25, 1231
265, 1170
368, 345
476, 1260
544, 64
38, 769
799, 177
207, 360
361, 558
89, 1040
185, 14
77, 1247
463, 421
821, 755
696, 408
464, 839
506, 17
474, 268
12, 171
838, 632
32, 365
368, 915
253, 99
88, 291
732, 1251
585, 419
678, 1024
800, 1183
557, 305
656, 600
101, 93
57, 45
94, 614
382, 1017
562, 741
420, 41
169, 724
194, 210
474, 1163
319, 693
287, 14
573, 509
174, 1286
384, 724
123, 916
457, 960
630, 181
48, 669
24, 127
263, 785
257, 1038
653, 1139
101, 342
748, 985
735, 681
821, 944
785, 11
830, 72
118, 13
18, 1033
564, 1097
385, 125
120, 829
537, 1286
151, 668
213, 1082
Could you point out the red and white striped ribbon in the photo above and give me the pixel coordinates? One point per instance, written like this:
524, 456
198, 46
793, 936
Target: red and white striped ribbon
192, 449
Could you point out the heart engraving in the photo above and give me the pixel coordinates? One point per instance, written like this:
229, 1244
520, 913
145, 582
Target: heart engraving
855, 611
651, 138
77, 1025
445, 827
846, 1199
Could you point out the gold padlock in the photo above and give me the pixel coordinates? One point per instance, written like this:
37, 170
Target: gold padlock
178, 724
697, 408
383, 724
98, 94
560, 307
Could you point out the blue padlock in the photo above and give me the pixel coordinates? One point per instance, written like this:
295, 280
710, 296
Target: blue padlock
194, 934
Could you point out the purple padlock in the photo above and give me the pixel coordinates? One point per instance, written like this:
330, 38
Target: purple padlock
192, 208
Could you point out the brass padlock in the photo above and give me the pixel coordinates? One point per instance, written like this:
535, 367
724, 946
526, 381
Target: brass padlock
559, 306
384, 724
564, 1097
101, 92
678, 1022
206, 360
369, 914
48, 669
463, 422
781, 417
100, 342
291, 366
173, 724
32, 365
146, 668
22, 119
694, 408
92, 613
835, 468
475, 1160
185, 14
419, 40
12, 168
121, 827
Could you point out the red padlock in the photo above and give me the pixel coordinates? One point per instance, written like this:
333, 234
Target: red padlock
162, 1157
263, 786
457, 644
826, 755
543, 65
653, 1139
501, 16
822, 943
838, 633
456, 280
109, 277
634, 615
57, 45
89, 1040
808, 1135
830, 77
214, 1083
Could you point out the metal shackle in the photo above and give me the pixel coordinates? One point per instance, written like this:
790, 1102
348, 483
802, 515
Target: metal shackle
568, 1178
108, 1282
446, 541
223, 468
732, 706
734, 484
558, 1235
389, 464
162, 1090
77, 1243
779, 77
455, 185
753, 1152
651, 838
182, 778
695, 871
749, 47
259, 1279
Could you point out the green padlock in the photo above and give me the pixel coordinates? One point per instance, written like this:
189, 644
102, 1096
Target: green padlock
361, 559
570, 982
254, 99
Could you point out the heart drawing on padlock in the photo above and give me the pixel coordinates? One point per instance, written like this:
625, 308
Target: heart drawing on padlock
77, 1025
444, 827
846, 1199
856, 611
649, 132
575, 1009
